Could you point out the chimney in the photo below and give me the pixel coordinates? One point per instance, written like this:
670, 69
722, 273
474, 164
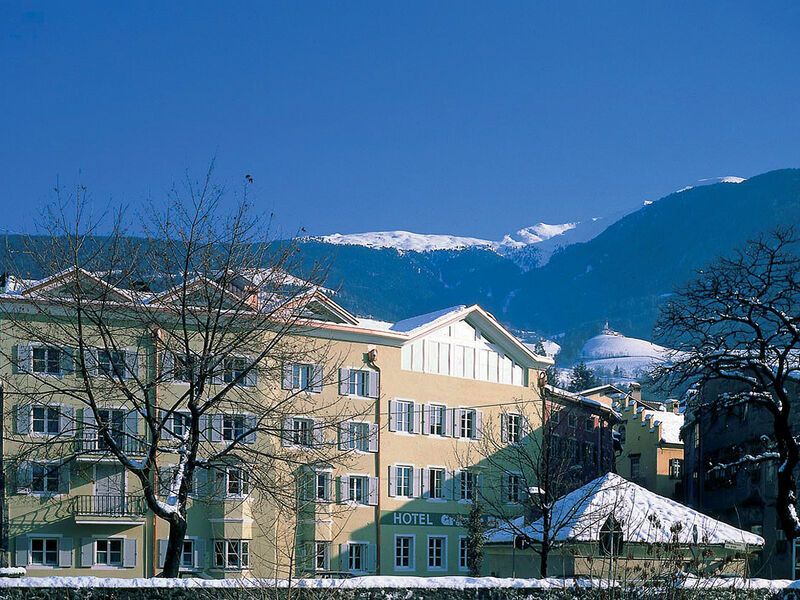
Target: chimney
675, 406
635, 390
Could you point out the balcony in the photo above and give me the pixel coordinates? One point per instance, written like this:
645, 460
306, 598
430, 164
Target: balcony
129, 445
98, 509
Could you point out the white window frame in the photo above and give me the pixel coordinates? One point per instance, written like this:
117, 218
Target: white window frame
326, 554
243, 553
243, 381
45, 539
308, 441
49, 467
443, 566
47, 349
191, 566
363, 551
47, 420
404, 416
327, 485
406, 469
443, 471
354, 439
462, 553
358, 383
514, 434
352, 478
441, 409
516, 499
108, 551
466, 474
243, 482
464, 434
411, 551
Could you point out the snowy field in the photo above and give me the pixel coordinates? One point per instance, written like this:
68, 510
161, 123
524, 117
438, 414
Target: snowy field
375, 582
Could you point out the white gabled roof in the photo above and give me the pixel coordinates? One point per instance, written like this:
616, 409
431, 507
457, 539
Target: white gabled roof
644, 516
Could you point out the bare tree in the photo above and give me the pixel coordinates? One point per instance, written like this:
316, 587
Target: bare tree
736, 328
181, 354
534, 454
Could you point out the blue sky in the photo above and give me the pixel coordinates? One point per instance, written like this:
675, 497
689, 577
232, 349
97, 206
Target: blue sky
438, 117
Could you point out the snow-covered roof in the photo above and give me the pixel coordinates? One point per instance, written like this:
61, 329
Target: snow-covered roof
644, 517
413, 323
574, 397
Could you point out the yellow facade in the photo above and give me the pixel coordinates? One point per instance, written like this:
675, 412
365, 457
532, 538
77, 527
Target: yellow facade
420, 390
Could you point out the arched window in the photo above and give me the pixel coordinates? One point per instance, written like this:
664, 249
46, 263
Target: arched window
611, 537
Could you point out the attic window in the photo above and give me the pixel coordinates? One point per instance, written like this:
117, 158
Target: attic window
611, 537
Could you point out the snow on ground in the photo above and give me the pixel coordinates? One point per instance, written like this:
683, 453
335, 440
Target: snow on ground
386, 582
712, 181
612, 352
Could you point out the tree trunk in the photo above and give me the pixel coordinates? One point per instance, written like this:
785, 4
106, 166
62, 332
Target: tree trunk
786, 502
172, 559
543, 560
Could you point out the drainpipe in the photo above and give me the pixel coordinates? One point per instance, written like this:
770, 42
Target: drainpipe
156, 338
3, 499
371, 357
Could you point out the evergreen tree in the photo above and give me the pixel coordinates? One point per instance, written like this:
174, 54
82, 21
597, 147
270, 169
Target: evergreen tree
582, 378
476, 527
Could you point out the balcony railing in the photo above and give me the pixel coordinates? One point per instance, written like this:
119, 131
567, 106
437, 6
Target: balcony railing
109, 506
128, 445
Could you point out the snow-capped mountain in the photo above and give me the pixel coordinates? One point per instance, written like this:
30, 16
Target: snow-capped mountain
528, 247
711, 181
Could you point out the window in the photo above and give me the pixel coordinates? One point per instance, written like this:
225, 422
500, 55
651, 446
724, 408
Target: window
462, 553
513, 486
589, 454
184, 368
590, 423
112, 419
233, 427
45, 420
675, 468
514, 424
238, 482
44, 478
572, 421
358, 488
572, 449
622, 435
555, 416
469, 482
358, 384
44, 551
635, 466
436, 416
467, 427
437, 552
233, 369
556, 447
321, 556
404, 477
436, 483
111, 362
404, 552
47, 360
358, 438
180, 425
187, 554
231, 554
404, 416
357, 557
108, 552
301, 433
322, 486
302, 376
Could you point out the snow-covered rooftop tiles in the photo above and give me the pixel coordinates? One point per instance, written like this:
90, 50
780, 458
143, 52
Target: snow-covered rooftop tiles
644, 517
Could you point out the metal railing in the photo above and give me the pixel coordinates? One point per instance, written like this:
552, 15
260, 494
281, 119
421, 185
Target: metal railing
103, 505
128, 445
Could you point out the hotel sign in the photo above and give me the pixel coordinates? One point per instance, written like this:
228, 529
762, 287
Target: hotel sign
420, 519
